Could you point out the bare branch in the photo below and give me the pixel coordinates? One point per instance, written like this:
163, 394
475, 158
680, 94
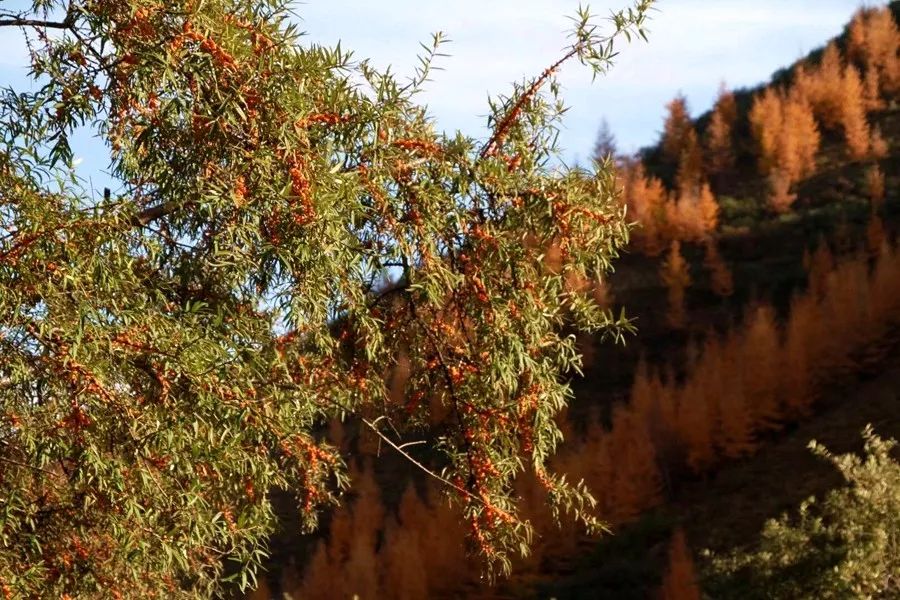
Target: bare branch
20, 21
17, 463
429, 472
148, 215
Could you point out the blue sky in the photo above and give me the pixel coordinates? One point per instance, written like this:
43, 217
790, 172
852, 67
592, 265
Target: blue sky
694, 44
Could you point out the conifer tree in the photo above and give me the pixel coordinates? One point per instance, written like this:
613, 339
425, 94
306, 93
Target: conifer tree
853, 114
707, 210
695, 423
875, 235
875, 186
675, 129
172, 348
637, 484
874, 43
736, 433
721, 278
681, 148
766, 123
719, 135
645, 198
760, 359
642, 398
404, 576
878, 146
605, 146
690, 164
711, 385
799, 155
680, 579
824, 87
796, 377
406, 572
780, 197
819, 268
786, 134
872, 90
675, 275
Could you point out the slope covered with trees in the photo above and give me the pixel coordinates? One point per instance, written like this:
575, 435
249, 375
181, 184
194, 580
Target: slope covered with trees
764, 271
764, 147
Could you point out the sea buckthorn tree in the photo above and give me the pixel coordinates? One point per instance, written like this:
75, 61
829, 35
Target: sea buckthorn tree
283, 224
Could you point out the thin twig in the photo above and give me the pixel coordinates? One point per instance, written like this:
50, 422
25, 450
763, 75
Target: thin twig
503, 127
431, 473
19, 22
27, 466
13, 19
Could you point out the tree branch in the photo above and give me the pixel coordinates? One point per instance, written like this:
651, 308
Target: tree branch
148, 215
504, 125
19, 21
17, 463
399, 448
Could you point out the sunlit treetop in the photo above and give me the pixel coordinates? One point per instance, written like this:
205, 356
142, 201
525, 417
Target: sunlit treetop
286, 223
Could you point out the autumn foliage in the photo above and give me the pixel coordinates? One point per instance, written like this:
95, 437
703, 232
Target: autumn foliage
833, 92
787, 138
287, 240
874, 44
762, 374
720, 134
676, 277
680, 581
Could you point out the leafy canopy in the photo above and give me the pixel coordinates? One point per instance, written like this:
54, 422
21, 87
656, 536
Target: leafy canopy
286, 224
846, 545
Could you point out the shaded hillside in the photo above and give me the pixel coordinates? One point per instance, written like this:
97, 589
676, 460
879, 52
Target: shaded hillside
749, 318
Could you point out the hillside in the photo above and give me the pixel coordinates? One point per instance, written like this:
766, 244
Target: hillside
766, 314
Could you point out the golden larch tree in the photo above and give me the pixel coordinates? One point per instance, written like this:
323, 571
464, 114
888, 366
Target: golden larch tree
875, 235
637, 483
676, 276
874, 43
720, 133
761, 350
675, 129
853, 115
823, 86
645, 198
786, 133
875, 186
653, 404
695, 423
872, 90
690, 164
780, 198
800, 125
878, 145
680, 579
720, 276
796, 369
819, 268
707, 210
405, 574
766, 126
692, 214
736, 433
643, 395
